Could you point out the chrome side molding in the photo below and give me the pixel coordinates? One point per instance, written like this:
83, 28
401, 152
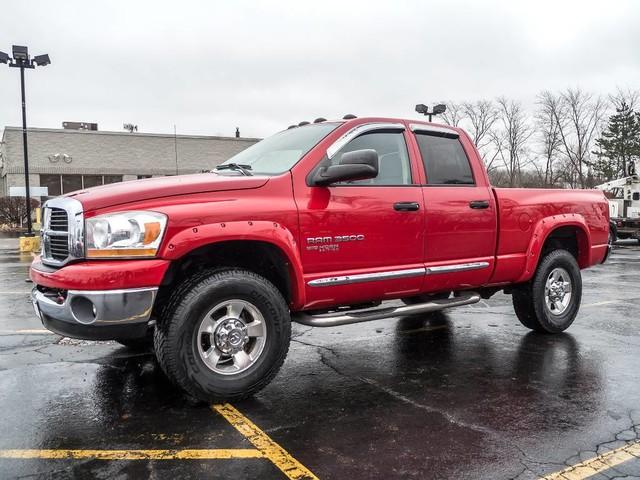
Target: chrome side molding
392, 274
377, 313
459, 267
366, 277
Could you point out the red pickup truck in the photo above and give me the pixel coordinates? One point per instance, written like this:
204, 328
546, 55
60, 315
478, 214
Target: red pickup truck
321, 224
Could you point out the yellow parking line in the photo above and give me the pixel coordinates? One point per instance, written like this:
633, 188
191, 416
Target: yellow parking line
34, 331
193, 454
605, 302
270, 449
598, 464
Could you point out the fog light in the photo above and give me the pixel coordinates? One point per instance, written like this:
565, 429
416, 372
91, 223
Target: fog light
83, 310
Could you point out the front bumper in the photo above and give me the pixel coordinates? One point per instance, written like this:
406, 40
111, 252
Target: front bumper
95, 314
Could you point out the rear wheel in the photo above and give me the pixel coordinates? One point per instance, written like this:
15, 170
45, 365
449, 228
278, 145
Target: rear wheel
549, 303
223, 335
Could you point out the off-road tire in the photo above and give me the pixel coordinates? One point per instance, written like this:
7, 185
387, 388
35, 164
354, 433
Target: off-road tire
529, 302
177, 327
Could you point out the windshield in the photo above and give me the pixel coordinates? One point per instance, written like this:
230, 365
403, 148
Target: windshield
280, 152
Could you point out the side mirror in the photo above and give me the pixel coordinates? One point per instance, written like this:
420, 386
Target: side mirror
356, 165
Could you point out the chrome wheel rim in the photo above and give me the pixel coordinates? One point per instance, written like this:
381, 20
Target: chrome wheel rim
558, 291
231, 337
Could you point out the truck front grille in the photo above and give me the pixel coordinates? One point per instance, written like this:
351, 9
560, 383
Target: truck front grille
58, 220
57, 248
62, 231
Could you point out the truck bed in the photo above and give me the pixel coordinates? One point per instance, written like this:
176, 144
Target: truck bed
526, 215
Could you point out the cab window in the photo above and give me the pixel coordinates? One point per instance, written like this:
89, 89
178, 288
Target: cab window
445, 162
393, 160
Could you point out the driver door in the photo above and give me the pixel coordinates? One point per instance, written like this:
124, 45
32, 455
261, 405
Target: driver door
363, 240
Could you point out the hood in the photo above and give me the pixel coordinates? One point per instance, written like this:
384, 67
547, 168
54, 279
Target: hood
138, 190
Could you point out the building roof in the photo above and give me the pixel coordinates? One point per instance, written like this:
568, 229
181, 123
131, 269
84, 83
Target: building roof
102, 152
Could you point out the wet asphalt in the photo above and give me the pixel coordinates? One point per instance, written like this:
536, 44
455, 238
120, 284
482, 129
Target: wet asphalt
469, 393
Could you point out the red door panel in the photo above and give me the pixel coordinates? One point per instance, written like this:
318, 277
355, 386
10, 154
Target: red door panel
346, 231
456, 234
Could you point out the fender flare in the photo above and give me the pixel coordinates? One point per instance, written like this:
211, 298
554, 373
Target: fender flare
545, 227
264, 231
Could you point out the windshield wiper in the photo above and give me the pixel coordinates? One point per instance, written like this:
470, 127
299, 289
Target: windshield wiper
236, 167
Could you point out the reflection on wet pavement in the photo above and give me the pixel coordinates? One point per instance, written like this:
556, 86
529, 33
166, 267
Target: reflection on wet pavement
468, 393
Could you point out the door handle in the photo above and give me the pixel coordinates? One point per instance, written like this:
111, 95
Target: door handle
479, 204
406, 206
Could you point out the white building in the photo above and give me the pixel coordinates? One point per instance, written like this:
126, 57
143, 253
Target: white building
65, 160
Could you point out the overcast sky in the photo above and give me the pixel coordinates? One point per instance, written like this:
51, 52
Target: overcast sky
211, 66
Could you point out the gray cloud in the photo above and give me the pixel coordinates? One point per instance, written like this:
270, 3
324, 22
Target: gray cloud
211, 66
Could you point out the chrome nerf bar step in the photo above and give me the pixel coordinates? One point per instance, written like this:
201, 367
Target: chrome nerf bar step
377, 313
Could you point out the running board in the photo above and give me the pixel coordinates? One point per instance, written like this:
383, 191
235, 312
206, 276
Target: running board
345, 318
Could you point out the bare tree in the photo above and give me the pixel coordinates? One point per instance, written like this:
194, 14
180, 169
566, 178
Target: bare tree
625, 97
548, 130
578, 115
454, 113
481, 117
510, 139
13, 210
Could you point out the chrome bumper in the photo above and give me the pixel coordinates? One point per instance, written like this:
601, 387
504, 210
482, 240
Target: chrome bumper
97, 307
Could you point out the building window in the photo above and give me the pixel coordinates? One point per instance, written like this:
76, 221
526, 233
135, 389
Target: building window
52, 182
89, 181
112, 179
59, 184
71, 183
140, 177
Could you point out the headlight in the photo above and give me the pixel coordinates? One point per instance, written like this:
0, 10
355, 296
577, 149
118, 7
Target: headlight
125, 234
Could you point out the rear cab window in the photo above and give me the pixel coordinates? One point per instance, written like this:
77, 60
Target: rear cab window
445, 161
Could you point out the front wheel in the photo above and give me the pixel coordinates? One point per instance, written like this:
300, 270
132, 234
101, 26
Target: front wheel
223, 335
549, 302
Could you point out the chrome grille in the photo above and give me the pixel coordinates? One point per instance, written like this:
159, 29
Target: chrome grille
62, 231
58, 247
58, 220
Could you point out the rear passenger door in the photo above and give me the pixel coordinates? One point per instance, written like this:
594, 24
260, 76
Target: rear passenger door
460, 229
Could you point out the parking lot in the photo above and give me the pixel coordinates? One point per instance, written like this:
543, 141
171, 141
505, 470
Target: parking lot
469, 393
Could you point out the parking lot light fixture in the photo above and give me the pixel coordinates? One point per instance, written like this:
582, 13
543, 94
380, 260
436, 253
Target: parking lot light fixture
22, 60
436, 110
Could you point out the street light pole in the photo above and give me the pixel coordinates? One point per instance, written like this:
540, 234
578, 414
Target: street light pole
26, 152
22, 60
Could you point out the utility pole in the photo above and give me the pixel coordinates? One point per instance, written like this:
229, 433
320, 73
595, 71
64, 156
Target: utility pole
22, 60
26, 153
